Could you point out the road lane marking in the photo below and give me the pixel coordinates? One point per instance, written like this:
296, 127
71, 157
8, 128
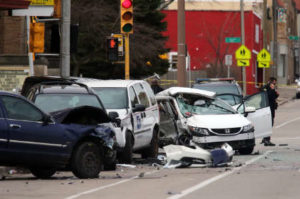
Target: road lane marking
106, 186
285, 123
216, 178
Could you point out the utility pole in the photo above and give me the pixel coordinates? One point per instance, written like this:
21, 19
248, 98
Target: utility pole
181, 69
65, 38
275, 48
264, 34
243, 43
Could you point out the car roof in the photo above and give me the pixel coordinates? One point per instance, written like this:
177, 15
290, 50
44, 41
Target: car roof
177, 90
107, 83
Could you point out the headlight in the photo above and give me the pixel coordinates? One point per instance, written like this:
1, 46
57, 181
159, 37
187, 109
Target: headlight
198, 131
248, 128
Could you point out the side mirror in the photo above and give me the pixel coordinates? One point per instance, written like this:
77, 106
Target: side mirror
114, 117
46, 120
250, 109
139, 108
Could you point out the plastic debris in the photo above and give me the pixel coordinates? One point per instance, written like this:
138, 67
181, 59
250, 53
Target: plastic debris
127, 166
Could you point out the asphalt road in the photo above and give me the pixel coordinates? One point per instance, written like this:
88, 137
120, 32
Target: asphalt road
270, 173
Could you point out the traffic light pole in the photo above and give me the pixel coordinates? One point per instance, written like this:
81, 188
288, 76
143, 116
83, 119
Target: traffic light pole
127, 58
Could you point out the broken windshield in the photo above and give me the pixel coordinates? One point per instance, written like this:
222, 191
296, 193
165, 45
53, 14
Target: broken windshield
192, 104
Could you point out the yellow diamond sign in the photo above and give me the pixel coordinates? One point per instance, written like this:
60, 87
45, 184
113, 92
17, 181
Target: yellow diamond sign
263, 56
243, 53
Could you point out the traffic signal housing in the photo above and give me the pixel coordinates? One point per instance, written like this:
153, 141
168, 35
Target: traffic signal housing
112, 49
126, 15
37, 37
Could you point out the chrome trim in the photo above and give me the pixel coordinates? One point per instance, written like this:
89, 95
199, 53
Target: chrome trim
227, 134
39, 122
38, 143
3, 140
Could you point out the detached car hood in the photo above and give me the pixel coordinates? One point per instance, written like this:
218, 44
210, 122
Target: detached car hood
217, 121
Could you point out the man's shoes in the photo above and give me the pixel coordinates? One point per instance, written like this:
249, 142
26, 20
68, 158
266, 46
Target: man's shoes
269, 143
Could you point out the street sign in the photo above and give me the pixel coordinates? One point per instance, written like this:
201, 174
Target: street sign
296, 38
228, 60
242, 53
263, 64
232, 40
243, 62
263, 56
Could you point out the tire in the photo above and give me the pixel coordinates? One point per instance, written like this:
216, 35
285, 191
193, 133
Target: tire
42, 173
246, 151
152, 151
126, 154
297, 95
87, 160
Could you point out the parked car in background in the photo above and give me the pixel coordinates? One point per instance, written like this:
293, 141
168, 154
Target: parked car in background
135, 103
210, 121
298, 88
221, 86
75, 139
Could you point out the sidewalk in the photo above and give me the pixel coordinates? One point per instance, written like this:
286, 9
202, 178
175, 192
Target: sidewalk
286, 94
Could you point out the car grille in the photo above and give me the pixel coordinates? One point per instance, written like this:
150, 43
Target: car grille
229, 131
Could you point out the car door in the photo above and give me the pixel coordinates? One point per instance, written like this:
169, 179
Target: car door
261, 118
145, 127
30, 139
3, 137
167, 123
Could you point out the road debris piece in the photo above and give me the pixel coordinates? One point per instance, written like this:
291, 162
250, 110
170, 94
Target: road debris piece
127, 166
179, 156
141, 175
283, 145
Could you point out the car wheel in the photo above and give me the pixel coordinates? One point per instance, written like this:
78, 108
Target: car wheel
152, 151
126, 154
87, 160
297, 95
246, 151
42, 173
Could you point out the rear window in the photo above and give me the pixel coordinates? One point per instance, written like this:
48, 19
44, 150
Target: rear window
55, 102
112, 97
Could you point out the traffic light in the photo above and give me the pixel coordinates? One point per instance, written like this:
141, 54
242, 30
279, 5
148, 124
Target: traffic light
126, 15
112, 49
37, 37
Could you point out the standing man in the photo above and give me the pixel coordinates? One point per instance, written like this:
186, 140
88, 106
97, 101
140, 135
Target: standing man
155, 86
272, 95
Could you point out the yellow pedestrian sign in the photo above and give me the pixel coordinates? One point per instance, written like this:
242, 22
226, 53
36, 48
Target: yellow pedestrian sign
263, 64
243, 62
263, 56
243, 53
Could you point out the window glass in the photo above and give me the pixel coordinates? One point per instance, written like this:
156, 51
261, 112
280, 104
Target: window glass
133, 97
141, 95
258, 101
113, 98
150, 93
194, 105
55, 102
20, 109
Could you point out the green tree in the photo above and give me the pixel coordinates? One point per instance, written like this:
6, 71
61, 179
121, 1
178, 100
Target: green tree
97, 19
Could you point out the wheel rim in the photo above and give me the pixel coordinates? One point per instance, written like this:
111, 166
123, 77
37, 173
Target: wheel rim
91, 162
